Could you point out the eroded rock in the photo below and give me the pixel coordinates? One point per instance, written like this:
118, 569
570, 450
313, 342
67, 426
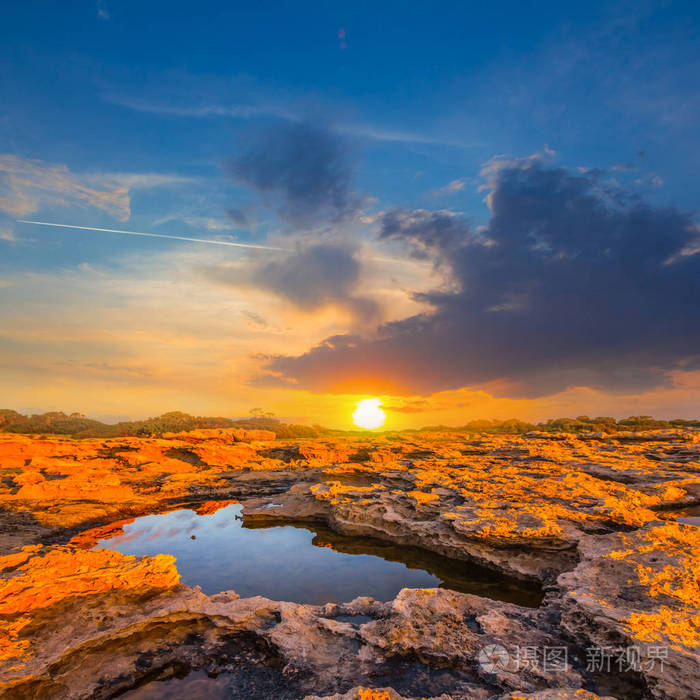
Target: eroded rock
78, 624
641, 591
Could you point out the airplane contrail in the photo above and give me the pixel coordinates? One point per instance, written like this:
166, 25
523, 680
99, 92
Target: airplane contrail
155, 235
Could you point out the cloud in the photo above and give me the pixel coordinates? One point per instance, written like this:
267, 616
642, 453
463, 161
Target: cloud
102, 11
111, 349
573, 282
209, 223
255, 319
453, 186
312, 278
429, 233
306, 167
202, 110
27, 185
7, 235
411, 406
238, 216
199, 97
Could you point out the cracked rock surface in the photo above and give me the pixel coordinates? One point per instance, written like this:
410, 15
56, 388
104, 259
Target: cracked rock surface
588, 516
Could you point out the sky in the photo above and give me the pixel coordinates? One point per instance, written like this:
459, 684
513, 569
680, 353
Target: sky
468, 210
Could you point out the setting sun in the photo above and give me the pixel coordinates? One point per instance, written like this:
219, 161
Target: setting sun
368, 415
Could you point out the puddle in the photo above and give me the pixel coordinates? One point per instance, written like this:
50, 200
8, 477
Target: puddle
254, 681
196, 685
301, 563
353, 619
248, 682
689, 515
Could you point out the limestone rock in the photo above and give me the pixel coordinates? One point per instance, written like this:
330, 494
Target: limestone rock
222, 434
641, 591
362, 693
584, 508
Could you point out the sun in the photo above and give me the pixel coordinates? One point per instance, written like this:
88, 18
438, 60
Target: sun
368, 415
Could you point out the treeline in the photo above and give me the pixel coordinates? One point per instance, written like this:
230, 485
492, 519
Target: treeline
581, 424
78, 425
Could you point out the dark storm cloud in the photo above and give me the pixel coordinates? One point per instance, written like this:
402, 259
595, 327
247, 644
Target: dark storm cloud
307, 167
430, 233
322, 274
573, 283
325, 274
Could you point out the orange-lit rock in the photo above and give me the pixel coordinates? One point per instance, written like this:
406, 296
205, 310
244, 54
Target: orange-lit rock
506, 489
210, 507
39, 579
642, 588
361, 693
582, 511
88, 538
222, 434
493, 493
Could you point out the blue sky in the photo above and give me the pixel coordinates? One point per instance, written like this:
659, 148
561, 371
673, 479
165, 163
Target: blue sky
137, 116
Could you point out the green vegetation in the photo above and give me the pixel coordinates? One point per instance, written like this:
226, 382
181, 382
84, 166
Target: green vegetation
581, 424
77, 425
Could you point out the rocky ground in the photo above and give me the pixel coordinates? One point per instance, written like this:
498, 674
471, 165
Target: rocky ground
590, 517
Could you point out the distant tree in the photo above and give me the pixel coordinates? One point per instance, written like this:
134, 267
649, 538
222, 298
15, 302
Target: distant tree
78, 425
8, 416
259, 413
643, 423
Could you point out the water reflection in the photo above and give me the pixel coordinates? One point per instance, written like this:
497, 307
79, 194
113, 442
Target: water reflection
250, 680
217, 552
196, 685
690, 515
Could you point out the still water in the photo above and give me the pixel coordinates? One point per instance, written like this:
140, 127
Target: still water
690, 515
193, 686
301, 563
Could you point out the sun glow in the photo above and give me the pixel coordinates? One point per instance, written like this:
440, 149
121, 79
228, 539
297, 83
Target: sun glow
368, 415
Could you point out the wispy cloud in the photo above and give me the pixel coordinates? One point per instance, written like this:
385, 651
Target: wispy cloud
209, 223
378, 133
7, 235
111, 349
451, 187
201, 110
102, 11
27, 185
195, 107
